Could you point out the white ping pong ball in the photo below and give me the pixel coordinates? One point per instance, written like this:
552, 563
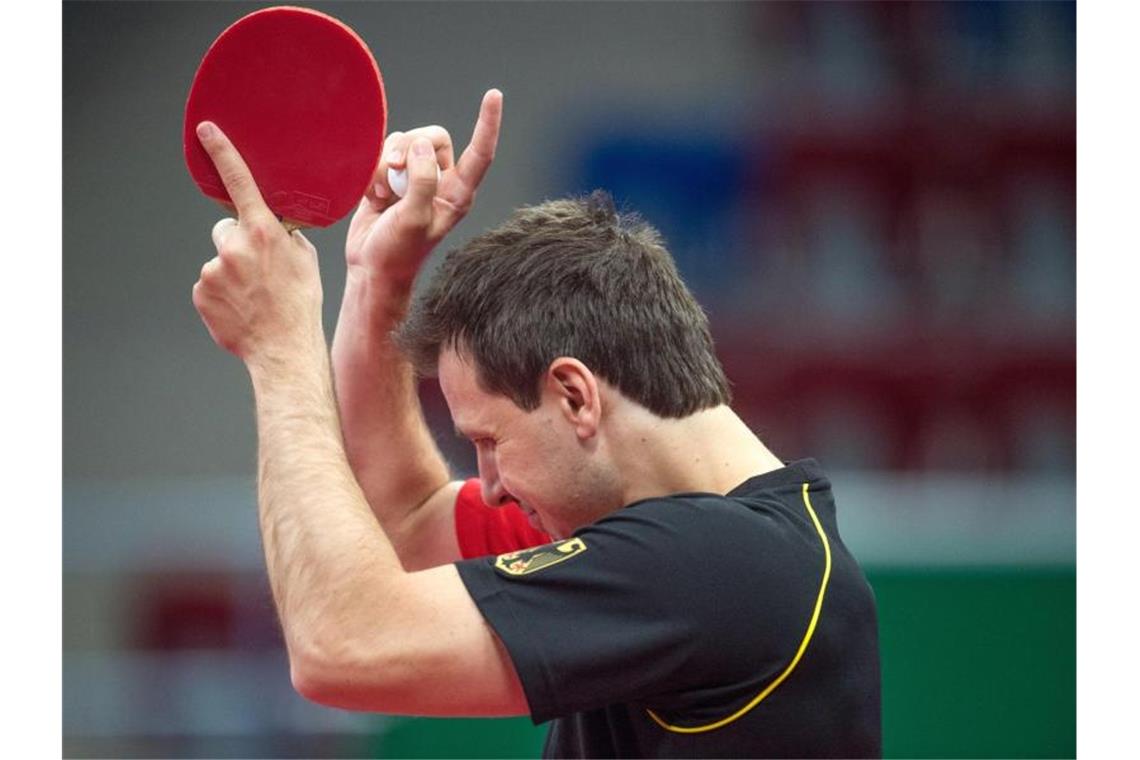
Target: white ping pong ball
398, 180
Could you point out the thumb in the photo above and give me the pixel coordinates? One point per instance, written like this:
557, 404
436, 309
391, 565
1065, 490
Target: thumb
304, 241
423, 177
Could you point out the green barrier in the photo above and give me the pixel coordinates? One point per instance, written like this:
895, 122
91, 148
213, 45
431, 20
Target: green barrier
976, 663
466, 738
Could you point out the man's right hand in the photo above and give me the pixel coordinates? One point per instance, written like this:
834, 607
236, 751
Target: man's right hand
391, 236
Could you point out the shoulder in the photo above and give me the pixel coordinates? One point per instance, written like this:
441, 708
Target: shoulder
700, 523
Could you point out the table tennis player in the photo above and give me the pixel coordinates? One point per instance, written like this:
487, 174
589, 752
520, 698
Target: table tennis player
632, 563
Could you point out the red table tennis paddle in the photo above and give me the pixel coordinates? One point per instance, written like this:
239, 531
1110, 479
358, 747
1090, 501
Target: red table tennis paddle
300, 96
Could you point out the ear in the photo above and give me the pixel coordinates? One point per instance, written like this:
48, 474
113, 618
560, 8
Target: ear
574, 389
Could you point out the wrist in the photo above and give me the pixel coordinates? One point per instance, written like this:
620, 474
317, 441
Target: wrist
288, 360
381, 284
374, 299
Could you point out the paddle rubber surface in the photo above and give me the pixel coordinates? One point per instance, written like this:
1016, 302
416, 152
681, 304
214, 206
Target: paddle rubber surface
301, 97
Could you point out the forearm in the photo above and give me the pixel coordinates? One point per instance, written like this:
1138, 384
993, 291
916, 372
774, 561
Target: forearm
361, 632
324, 552
388, 444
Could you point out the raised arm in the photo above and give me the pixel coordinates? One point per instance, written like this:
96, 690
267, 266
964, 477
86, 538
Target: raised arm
390, 449
361, 631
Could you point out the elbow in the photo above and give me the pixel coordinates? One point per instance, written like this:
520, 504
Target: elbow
346, 683
320, 678
309, 674
307, 683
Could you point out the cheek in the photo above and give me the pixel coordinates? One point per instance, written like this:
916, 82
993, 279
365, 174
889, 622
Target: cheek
541, 464
524, 471
517, 469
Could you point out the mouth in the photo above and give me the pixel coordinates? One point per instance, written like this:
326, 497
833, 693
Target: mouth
532, 517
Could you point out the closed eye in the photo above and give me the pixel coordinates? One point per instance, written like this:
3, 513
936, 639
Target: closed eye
479, 439
468, 436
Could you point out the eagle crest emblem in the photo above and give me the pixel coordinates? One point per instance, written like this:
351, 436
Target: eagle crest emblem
538, 558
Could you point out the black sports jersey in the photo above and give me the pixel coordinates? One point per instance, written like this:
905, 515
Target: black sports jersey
695, 625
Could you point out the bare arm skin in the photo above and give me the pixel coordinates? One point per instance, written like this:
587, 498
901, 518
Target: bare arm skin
390, 449
361, 631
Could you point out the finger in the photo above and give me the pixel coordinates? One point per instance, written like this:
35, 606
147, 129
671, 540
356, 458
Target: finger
210, 270
233, 170
395, 154
440, 141
398, 181
205, 303
423, 177
477, 157
221, 230
377, 195
378, 190
199, 297
390, 181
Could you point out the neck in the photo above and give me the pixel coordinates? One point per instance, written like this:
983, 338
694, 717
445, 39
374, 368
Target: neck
711, 451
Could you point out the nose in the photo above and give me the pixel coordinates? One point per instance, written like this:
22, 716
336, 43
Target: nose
493, 492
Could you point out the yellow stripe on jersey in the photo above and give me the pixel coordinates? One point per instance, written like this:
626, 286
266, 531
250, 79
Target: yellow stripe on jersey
799, 653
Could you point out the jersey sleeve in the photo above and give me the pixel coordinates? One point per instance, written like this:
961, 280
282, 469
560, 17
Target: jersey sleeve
484, 530
653, 605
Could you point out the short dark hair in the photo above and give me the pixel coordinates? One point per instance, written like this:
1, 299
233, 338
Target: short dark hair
570, 277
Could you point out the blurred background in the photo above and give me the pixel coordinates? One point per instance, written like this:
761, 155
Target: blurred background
875, 202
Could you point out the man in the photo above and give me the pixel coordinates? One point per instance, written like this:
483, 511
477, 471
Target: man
697, 600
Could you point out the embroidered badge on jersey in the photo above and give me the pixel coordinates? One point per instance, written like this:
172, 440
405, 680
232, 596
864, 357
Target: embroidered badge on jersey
537, 558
